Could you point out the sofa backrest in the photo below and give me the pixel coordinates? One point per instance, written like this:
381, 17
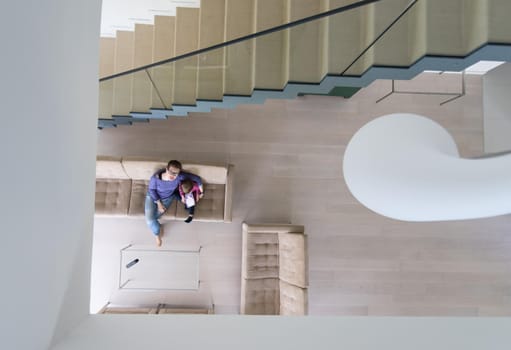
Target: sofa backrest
143, 169
208, 173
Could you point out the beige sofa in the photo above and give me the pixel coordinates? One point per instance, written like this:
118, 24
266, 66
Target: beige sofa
274, 270
121, 187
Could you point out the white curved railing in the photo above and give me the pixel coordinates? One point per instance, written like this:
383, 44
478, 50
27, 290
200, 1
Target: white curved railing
407, 167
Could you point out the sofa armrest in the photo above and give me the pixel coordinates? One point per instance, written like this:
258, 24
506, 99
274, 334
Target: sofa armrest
110, 168
294, 301
228, 194
113, 187
293, 259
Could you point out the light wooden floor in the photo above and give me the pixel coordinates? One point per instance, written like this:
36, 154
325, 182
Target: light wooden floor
288, 168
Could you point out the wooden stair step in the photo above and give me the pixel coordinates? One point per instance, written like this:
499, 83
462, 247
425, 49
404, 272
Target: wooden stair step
143, 55
141, 91
457, 27
187, 40
163, 48
163, 38
122, 86
499, 28
307, 42
187, 30
121, 96
143, 45
419, 44
211, 64
124, 48
445, 35
406, 40
347, 37
106, 90
271, 59
106, 56
476, 18
162, 77
239, 69
298, 9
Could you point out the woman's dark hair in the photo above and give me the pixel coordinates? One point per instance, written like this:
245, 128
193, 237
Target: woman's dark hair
175, 164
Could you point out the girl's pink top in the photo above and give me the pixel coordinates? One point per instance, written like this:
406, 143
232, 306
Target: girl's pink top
195, 190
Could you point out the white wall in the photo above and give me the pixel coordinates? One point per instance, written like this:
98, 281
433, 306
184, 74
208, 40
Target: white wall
48, 92
273, 332
497, 109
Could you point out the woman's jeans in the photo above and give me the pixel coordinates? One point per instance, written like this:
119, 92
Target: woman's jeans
151, 211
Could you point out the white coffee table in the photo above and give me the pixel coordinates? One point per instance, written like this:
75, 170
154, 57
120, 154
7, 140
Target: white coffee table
158, 269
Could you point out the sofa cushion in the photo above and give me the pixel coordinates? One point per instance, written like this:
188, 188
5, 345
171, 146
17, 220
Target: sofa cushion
210, 207
293, 260
293, 299
140, 169
260, 255
137, 201
112, 196
109, 168
260, 296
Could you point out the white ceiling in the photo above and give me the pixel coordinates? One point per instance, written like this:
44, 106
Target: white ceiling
123, 14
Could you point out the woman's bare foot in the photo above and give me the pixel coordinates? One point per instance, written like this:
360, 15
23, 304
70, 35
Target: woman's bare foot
159, 236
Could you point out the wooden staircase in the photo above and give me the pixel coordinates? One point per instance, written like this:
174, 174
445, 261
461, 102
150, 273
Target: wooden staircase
303, 55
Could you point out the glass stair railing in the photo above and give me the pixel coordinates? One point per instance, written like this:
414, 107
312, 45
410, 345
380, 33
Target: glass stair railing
348, 47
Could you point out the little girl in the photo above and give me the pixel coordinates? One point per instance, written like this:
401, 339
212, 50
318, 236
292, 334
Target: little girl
191, 192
